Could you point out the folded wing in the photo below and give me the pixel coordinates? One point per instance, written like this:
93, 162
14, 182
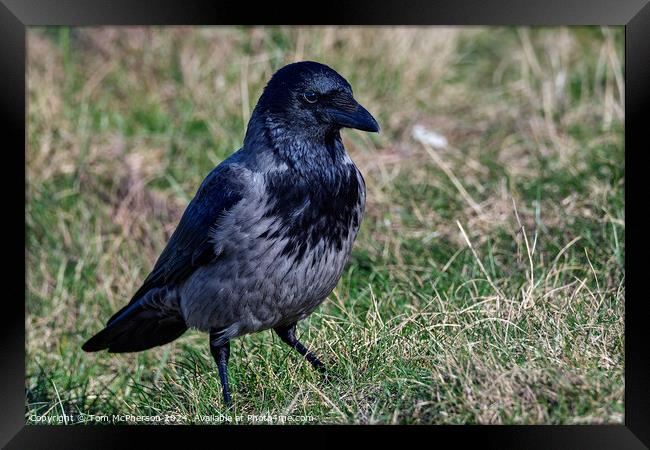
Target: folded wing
153, 317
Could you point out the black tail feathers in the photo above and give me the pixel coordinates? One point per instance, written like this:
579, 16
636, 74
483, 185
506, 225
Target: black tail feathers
146, 323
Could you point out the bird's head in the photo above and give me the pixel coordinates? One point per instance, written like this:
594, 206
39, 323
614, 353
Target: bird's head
311, 100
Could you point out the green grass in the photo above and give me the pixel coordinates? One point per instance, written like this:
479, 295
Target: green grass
486, 284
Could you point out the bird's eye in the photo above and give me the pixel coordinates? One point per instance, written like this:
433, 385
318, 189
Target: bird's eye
310, 96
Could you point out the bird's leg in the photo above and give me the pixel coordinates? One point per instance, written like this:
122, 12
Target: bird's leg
221, 354
288, 336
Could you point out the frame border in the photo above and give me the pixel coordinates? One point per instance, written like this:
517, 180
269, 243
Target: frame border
16, 15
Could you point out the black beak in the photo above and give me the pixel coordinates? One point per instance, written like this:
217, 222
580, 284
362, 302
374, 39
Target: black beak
355, 116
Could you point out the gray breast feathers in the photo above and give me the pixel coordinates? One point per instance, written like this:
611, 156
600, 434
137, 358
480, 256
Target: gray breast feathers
276, 263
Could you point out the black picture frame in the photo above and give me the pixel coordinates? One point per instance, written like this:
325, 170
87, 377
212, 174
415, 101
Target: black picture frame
16, 15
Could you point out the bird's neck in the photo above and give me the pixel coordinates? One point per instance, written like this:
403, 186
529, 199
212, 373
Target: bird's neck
306, 152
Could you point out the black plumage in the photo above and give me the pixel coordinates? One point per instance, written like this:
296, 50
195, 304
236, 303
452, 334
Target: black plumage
266, 237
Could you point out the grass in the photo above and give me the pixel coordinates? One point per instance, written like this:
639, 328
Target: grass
487, 282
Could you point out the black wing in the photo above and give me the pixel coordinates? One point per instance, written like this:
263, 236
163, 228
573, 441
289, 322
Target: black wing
190, 246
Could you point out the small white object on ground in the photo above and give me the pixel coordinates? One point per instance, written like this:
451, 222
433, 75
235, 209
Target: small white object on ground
428, 137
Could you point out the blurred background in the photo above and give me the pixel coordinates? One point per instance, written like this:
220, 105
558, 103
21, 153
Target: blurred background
487, 282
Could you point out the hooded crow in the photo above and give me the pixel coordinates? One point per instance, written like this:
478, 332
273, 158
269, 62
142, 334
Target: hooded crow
268, 233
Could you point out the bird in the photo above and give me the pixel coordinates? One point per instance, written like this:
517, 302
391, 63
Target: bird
268, 233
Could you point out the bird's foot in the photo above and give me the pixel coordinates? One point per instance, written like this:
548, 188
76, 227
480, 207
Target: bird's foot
227, 399
327, 376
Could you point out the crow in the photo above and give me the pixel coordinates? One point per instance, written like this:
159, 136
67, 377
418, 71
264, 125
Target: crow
266, 237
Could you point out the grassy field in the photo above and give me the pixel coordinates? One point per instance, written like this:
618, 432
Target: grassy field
487, 282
